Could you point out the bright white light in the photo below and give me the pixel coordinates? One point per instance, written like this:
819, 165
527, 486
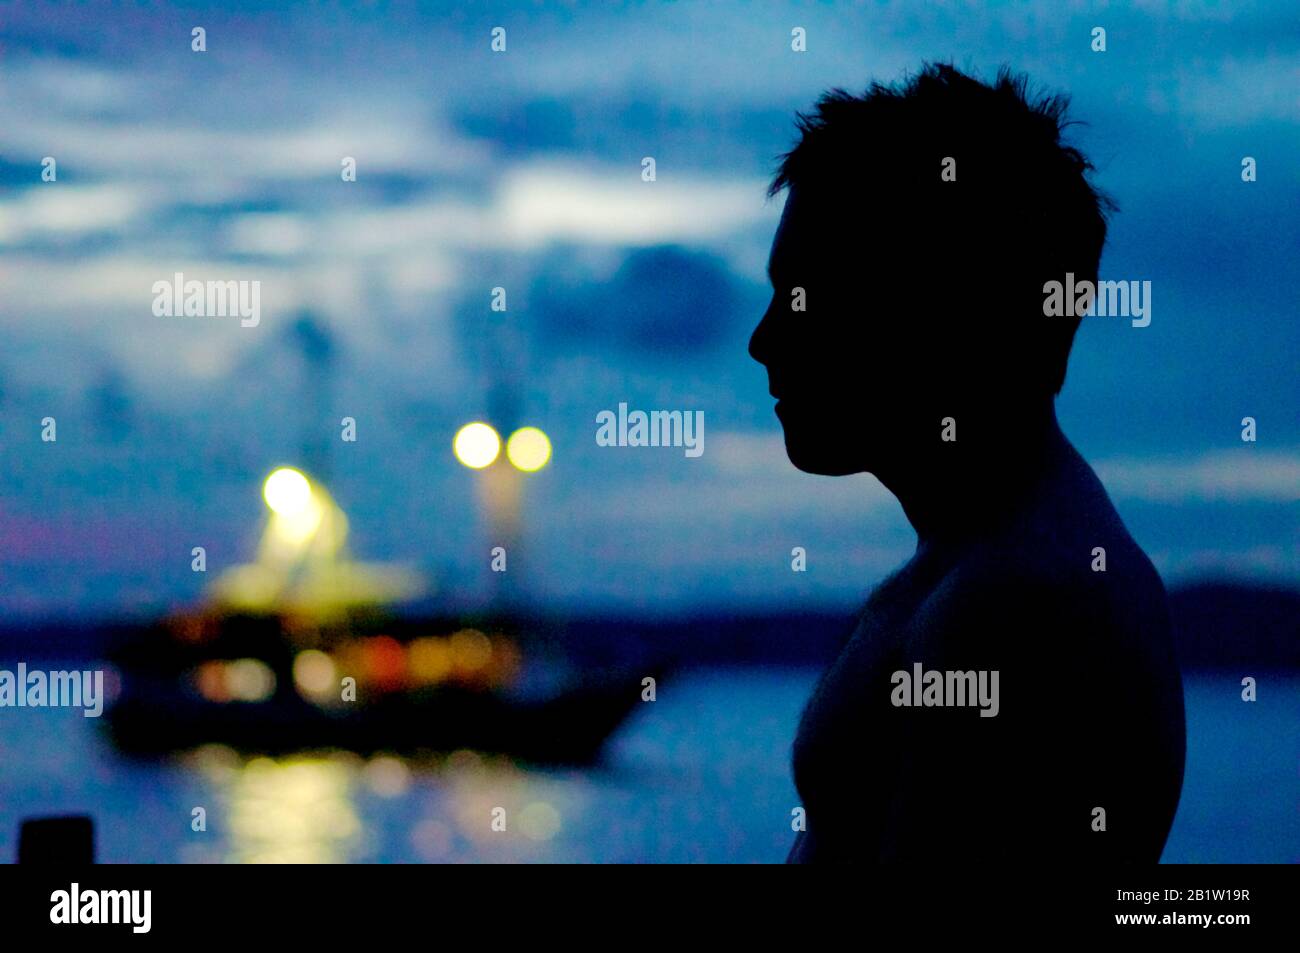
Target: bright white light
476, 445
287, 492
298, 513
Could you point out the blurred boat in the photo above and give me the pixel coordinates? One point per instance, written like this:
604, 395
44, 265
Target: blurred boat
300, 651
251, 687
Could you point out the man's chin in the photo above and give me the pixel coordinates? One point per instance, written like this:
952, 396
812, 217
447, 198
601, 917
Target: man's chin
812, 460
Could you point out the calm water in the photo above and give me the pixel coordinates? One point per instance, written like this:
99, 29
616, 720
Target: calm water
699, 775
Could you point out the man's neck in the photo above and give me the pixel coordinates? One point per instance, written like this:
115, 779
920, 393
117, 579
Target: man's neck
953, 490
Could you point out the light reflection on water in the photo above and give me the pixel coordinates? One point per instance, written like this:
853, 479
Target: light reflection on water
308, 808
701, 774
294, 810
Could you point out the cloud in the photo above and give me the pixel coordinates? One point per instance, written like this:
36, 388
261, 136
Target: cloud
104, 122
62, 211
664, 299
546, 202
1241, 91
1247, 475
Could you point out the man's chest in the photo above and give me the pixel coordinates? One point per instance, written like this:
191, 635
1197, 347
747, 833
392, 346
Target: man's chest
844, 725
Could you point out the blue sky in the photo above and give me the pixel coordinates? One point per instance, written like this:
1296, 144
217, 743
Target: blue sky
522, 170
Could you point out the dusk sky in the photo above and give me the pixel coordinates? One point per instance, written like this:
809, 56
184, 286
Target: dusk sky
522, 170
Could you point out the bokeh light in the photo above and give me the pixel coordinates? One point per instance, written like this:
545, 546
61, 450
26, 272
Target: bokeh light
476, 445
471, 650
529, 449
314, 673
430, 658
287, 492
387, 776
242, 680
296, 512
539, 821
249, 680
384, 661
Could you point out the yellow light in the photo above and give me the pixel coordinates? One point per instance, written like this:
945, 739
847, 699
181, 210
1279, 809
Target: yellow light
314, 673
471, 650
249, 680
528, 449
287, 492
430, 658
476, 445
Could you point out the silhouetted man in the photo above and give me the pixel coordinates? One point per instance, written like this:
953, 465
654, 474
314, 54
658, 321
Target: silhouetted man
1011, 691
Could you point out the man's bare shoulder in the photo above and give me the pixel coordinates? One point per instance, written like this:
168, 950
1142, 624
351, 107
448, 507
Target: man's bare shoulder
1067, 547
1044, 589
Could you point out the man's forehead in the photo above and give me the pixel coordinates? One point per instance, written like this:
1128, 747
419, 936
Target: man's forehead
785, 242
805, 233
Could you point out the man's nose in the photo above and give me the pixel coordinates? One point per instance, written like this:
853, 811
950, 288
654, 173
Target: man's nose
760, 340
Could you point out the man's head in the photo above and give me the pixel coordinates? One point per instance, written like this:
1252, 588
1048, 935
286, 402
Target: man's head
921, 224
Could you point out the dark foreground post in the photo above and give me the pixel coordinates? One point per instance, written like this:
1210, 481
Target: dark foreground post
57, 840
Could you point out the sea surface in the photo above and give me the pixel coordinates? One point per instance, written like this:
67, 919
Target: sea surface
700, 774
